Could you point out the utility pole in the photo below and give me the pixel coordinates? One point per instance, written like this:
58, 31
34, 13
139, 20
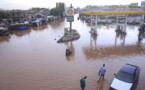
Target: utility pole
71, 21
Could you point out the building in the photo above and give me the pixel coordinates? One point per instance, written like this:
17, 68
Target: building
60, 5
131, 7
38, 12
142, 5
16, 15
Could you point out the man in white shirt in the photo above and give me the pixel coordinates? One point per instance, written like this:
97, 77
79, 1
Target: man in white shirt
102, 71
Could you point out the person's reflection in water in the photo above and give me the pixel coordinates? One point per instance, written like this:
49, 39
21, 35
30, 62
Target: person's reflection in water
70, 48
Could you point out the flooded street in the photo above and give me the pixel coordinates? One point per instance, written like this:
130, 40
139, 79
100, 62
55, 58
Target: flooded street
33, 60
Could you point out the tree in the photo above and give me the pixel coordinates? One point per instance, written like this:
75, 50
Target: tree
56, 12
3, 15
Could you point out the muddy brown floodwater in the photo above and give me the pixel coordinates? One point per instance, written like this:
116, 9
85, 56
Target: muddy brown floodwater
33, 60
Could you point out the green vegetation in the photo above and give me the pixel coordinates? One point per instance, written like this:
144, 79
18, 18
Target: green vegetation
3, 14
56, 12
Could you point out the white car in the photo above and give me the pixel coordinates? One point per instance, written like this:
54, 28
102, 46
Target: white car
125, 78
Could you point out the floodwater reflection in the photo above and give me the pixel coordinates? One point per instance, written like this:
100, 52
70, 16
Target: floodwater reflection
40, 28
70, 46
33, 60
5, 39
121, 36
94, 52
93, 40
57, 24
20, 33
97, 52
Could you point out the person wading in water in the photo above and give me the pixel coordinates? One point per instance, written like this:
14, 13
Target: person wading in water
102, 72
83, 82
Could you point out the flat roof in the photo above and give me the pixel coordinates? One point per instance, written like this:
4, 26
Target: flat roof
111, 12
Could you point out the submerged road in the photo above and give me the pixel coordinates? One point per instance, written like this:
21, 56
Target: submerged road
33, 60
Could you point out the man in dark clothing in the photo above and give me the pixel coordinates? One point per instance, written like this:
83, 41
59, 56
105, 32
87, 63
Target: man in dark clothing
83, 82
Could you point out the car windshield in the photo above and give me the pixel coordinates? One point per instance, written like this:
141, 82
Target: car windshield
124, 77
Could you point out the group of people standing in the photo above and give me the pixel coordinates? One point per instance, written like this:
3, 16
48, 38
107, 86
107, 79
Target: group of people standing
101, 73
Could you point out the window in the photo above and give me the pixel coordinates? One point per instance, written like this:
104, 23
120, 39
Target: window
124, 77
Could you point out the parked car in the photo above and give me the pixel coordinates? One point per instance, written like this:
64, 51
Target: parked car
126, 78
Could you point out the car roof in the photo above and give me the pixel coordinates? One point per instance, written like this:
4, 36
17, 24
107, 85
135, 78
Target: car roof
130, 69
